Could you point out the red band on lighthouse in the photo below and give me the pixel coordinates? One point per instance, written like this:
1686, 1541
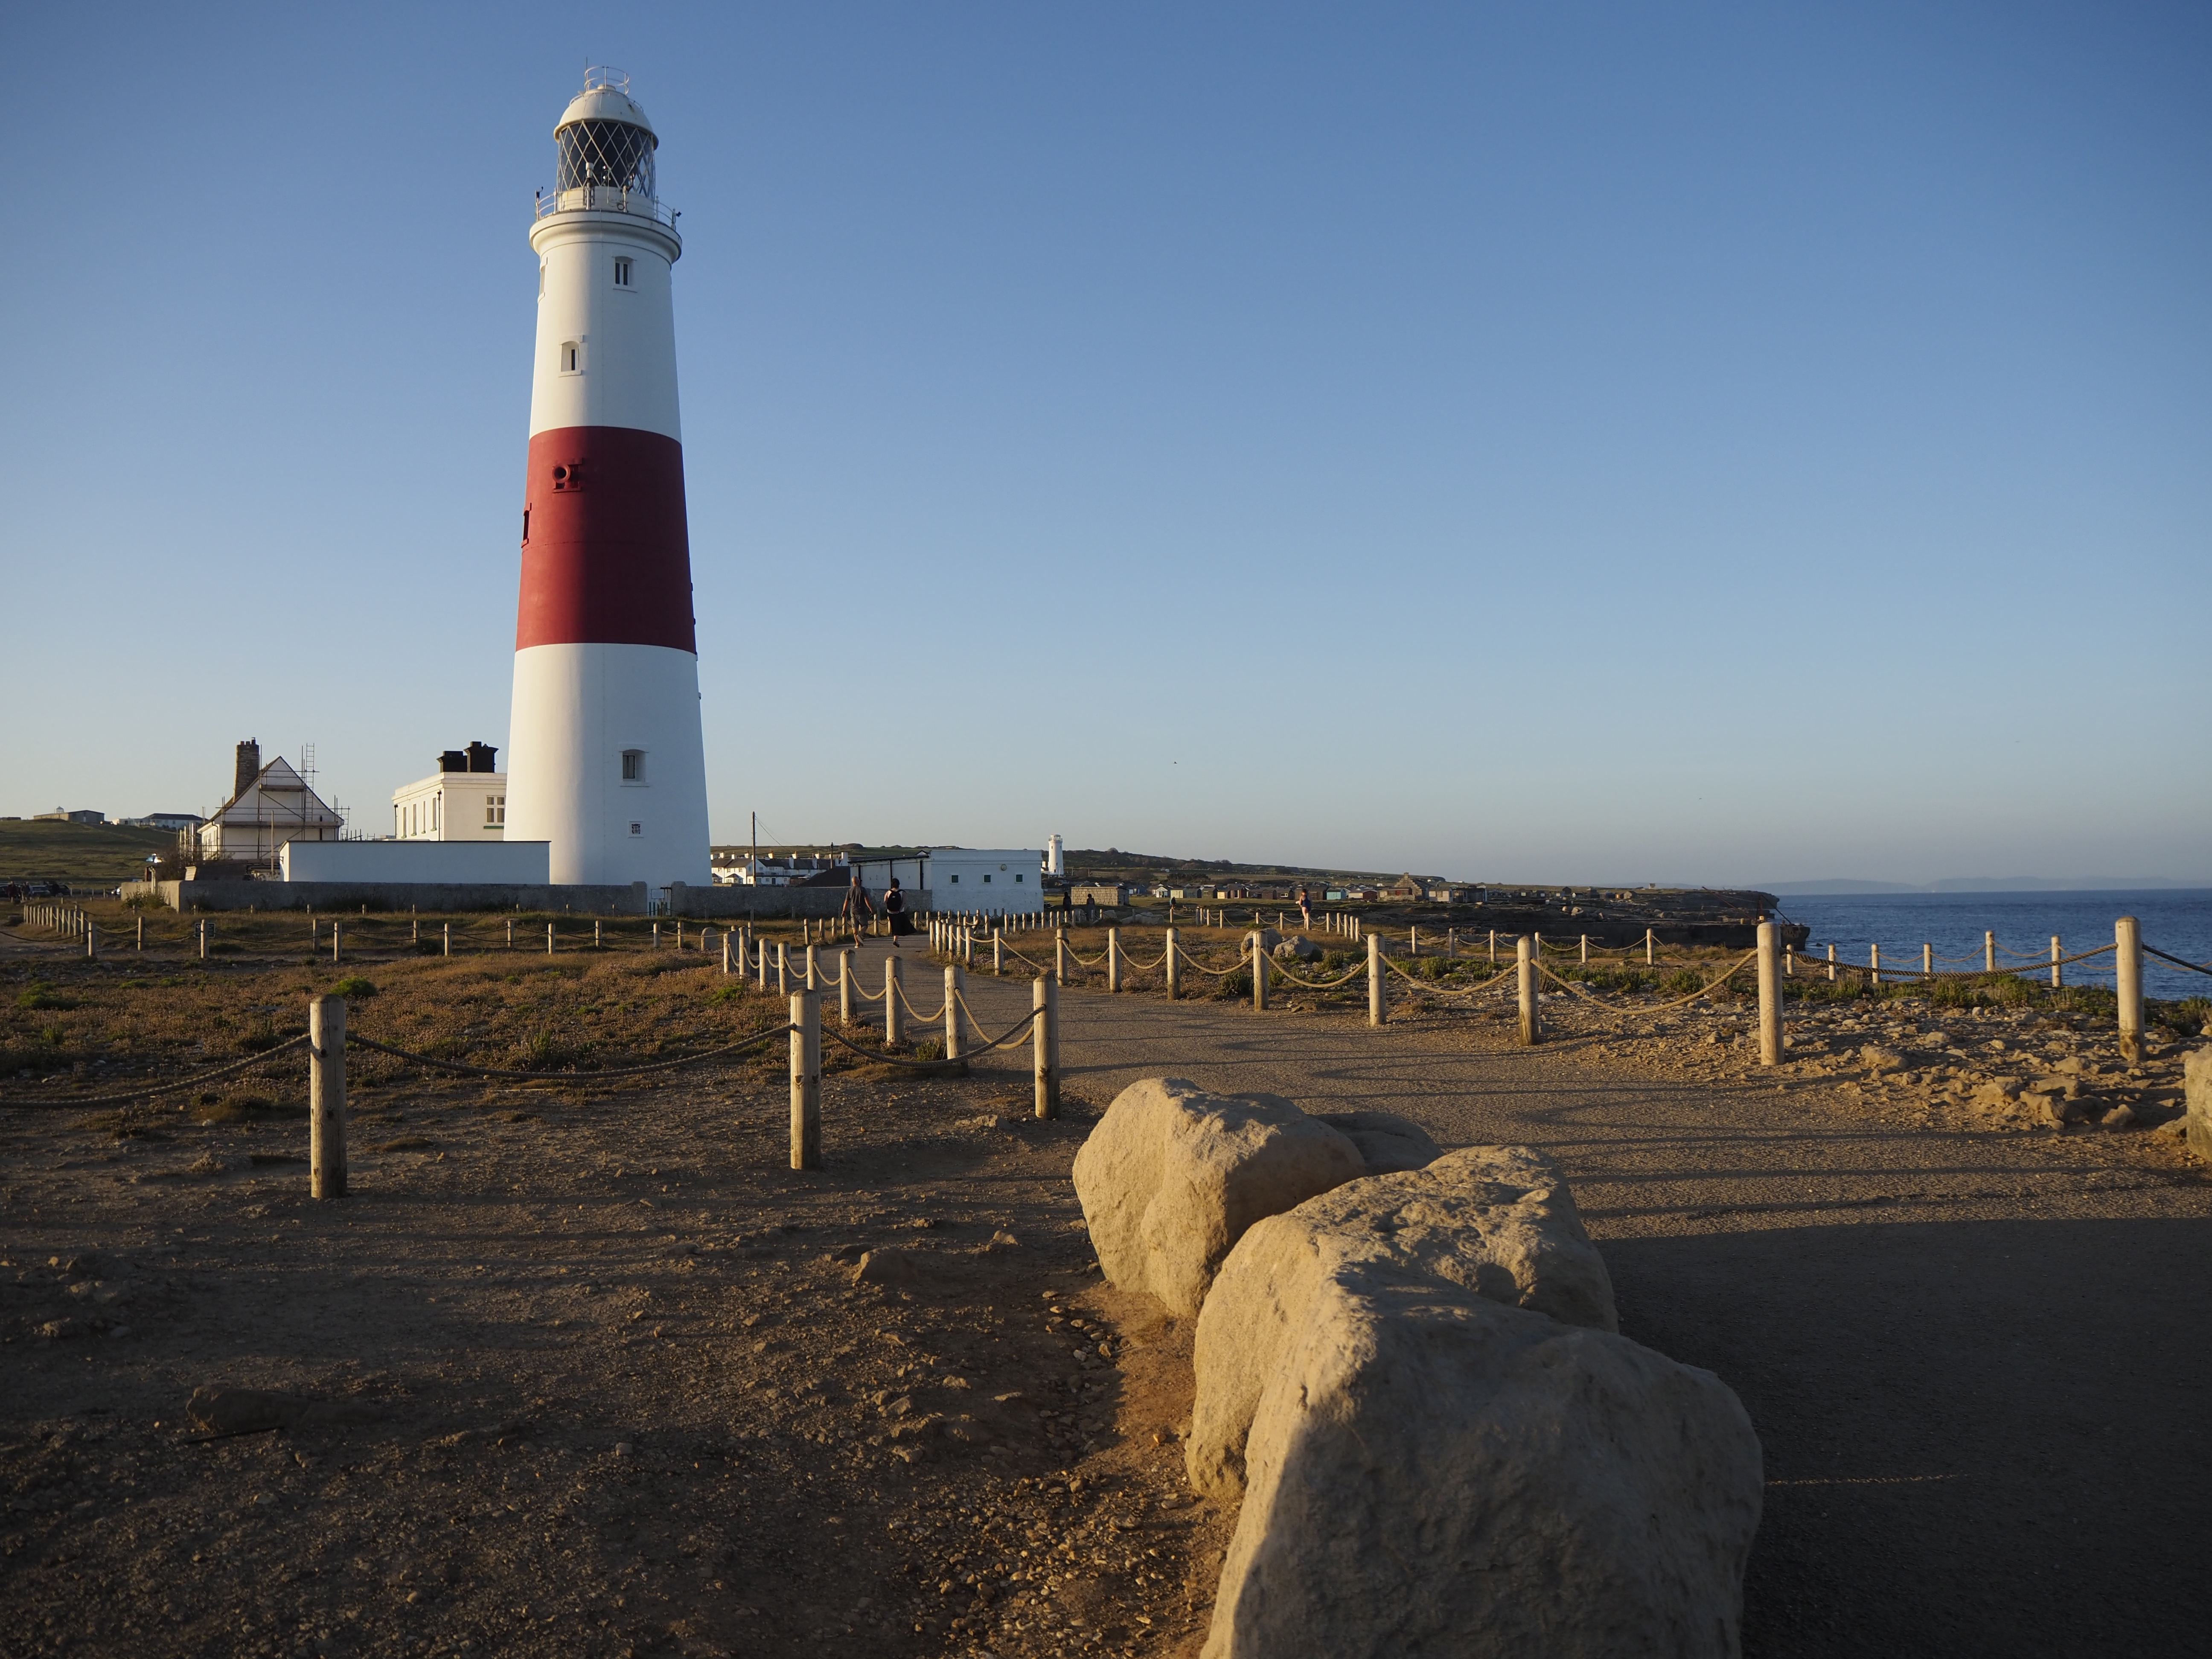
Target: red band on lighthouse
607, 555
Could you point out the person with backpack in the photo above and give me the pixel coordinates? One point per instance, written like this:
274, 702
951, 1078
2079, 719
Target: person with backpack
894, 913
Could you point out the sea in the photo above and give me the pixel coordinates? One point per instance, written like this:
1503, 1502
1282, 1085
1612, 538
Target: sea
2175, 919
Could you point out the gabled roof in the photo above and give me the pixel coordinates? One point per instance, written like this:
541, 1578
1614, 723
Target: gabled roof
277, 778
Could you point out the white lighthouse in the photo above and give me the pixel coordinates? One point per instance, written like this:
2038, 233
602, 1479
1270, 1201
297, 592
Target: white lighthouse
606, 760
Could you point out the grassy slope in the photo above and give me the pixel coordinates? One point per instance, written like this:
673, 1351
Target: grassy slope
78, 852
1089, 863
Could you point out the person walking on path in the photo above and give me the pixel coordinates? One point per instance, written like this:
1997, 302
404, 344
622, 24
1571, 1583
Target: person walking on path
894, 913
1305, 910
857, 907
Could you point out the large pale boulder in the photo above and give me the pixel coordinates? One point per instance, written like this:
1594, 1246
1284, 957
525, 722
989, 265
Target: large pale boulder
1173, 1176
1387, 1142
1499, 1221
2196, 1081
1434, 1473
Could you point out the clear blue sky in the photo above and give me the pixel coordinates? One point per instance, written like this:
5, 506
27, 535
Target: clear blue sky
1583, 443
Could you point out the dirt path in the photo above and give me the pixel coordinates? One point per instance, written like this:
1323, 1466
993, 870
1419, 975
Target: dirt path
1977, 1362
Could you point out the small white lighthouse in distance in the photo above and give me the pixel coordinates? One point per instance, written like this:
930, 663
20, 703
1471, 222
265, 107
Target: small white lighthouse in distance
605, 756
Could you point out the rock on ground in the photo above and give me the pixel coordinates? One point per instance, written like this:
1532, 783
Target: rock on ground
1297, 947
1172, 1175
2196, 1080
1496, 1220
1434, 1473
1387, 1142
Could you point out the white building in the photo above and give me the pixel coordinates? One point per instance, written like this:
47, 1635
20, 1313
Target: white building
464, 799
1055, 860
270, 807
995, 881
487, 863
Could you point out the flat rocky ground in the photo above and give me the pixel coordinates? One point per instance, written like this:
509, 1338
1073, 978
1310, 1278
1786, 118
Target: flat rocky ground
588, 1371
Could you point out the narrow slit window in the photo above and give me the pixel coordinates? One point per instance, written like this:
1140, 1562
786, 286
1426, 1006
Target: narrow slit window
633, 766
622, 273
572, 357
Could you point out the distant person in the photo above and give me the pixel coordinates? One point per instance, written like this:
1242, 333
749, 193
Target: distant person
857, 908
894, 913
1305, 910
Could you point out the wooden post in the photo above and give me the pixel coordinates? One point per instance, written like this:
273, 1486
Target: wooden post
326, 1097
1928, 962
894, 1012
1413, 938
1493, 947
2056, 972
998, 952
1831, 964
142, 932
203, 931
1259, 973
806, 1081
1770, 998
1378, 994
596, 939
1113, 959
1060, 955
1789, 963
760, 965
414, 929
1174, 968
656, 936
1874, 962
726, 952
955, 982
1651, 950
549, 939
1989, 952
1585, 957
2127, 934
845, 986
1532, 1024
1044, 1042
510, 932
91, 940
782, 967
813, 982
337, 941
446, 947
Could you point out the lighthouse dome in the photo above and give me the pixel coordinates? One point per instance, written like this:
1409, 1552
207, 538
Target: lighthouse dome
605, 141
606, 97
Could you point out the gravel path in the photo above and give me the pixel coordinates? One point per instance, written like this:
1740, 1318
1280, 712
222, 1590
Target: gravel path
1977, 1361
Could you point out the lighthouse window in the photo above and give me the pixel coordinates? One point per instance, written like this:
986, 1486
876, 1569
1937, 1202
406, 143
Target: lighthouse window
633, 765
495, 811
622, 273
572, 357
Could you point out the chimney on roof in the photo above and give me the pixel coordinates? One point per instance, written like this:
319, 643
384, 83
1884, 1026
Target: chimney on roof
453, 760
249, 767
481, 757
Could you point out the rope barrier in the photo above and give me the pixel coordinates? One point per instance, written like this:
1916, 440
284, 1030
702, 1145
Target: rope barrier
191, 1082
1901, 974
2153, 951
1567, 985
1290, 978
354, 1041
915, 1013
1020, 1026
1430, 988
1217, 973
